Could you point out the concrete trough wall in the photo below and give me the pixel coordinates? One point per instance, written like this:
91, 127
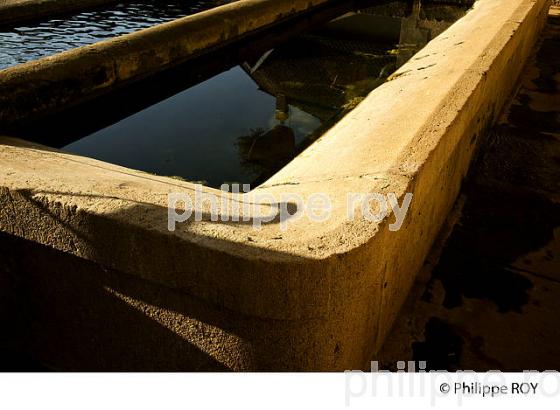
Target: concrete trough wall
103, 284
52, 84
14, 12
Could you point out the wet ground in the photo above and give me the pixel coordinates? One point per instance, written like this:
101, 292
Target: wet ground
35, 40
489, 294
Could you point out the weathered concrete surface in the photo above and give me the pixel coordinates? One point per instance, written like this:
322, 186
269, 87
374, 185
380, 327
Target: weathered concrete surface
18, 11
488, 295
66, 79
319, 296
416, 32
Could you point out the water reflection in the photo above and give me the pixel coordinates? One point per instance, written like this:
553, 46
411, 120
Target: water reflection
268, 149
26, 43
323, 73
195, 134
244, 124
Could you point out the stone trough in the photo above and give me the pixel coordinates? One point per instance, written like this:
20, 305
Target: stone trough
94, 280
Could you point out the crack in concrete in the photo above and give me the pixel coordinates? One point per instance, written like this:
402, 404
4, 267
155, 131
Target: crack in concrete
337, 178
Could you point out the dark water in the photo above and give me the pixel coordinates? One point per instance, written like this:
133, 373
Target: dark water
26, 43
247, 122
195, 134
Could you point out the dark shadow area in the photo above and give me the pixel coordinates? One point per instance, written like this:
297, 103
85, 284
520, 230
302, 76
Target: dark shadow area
489, 298
496, 229
69, 314
13, 359
441, 349
71, 322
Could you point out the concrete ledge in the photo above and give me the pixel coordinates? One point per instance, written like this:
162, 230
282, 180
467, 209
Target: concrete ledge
19, 11
320, 296
66, 79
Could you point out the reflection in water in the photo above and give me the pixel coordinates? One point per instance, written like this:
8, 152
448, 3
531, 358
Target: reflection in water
195, 133
322, 73
26, 43
268, 149
244, 124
